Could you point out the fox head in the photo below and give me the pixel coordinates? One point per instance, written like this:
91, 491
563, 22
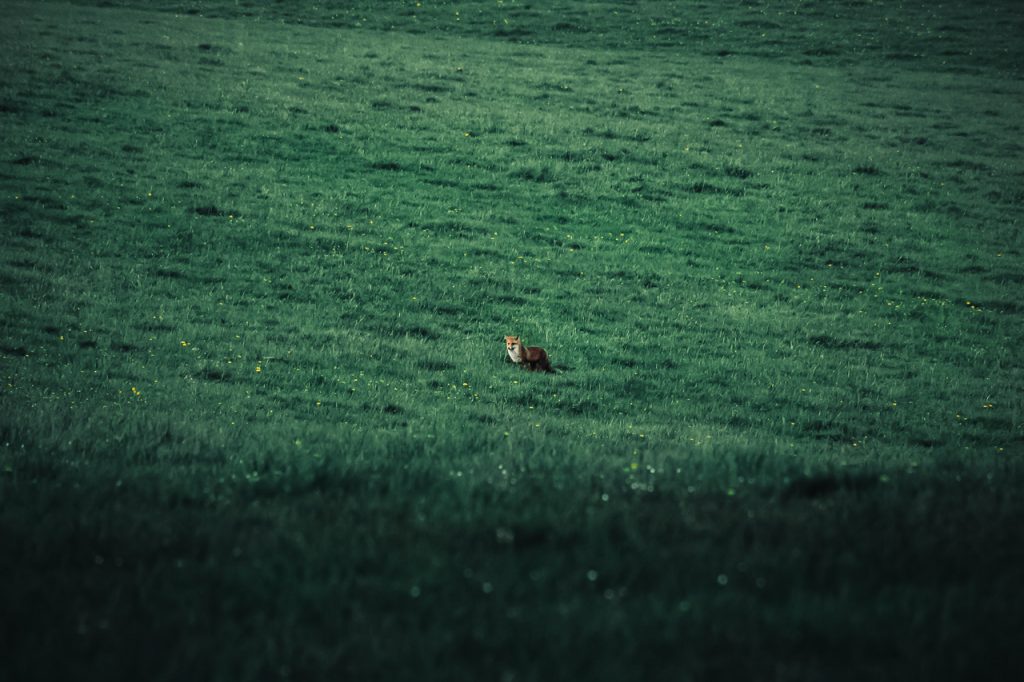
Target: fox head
513, 345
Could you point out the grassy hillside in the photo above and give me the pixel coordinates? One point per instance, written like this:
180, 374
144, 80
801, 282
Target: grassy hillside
259, 259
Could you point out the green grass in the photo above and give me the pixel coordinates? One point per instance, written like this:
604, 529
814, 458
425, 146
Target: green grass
259, 260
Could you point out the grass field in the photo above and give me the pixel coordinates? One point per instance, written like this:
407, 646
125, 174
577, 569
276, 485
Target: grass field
259, 259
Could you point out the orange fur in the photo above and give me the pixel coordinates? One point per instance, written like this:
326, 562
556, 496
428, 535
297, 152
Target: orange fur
533, 358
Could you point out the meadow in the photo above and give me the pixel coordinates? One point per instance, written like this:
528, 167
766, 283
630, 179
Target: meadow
259, 260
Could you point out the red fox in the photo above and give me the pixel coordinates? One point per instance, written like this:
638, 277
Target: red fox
533, 359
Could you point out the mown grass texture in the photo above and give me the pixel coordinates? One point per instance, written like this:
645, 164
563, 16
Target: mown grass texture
257, 419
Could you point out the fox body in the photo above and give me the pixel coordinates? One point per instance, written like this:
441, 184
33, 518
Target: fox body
533, 358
